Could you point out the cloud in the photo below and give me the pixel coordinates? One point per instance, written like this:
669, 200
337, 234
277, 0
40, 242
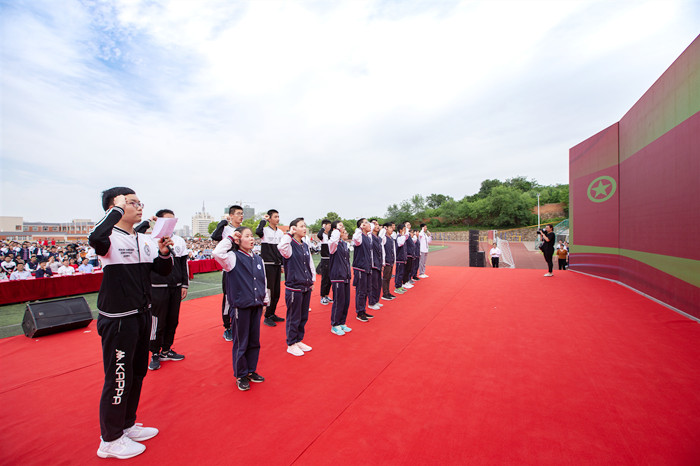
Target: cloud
311, 107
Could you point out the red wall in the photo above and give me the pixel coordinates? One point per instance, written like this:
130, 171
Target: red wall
646, 234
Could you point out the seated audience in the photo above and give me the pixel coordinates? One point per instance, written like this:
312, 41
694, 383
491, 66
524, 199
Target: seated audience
43, 271
86, 266
66, 269
20, 273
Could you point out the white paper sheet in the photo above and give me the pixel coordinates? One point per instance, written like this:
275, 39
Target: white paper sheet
164, 227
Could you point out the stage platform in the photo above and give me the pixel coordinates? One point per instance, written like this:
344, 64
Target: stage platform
472, 366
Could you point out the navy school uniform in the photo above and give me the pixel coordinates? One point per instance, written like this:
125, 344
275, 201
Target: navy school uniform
361, 266
376, 273
416, 258
340, 278
299, 278
409, 259
245, 286
401, 256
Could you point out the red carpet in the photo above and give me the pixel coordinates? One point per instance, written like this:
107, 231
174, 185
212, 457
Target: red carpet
472, 366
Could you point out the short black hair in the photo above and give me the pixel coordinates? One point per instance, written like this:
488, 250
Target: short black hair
234, 208
387, 224
294, 222
422, 225
272, 211
373, 220
108, 195
334, 224
162, 212
402, 226
240, 229
325, 221
359, 222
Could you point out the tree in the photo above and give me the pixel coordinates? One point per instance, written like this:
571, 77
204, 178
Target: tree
486, 187
436, 200
212, 227
521, 184
417, 205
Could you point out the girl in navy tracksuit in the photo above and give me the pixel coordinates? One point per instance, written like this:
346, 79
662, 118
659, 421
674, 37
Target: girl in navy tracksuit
245, 291
339, 272
299, 278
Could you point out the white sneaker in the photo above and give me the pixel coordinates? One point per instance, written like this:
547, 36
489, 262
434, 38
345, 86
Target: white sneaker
121, 448
423, 276
295, 350
140, 433
379, 304
338, 330
303, 346
548, 275
374, 307
407, 285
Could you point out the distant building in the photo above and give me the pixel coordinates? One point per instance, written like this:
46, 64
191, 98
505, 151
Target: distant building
185, 231
201, 221
15, 228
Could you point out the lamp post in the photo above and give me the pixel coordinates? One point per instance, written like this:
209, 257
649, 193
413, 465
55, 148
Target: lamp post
538, 211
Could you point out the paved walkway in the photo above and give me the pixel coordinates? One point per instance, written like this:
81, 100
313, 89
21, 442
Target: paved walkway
456, 254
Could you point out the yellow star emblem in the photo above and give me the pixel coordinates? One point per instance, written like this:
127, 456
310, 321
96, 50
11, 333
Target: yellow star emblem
601, 189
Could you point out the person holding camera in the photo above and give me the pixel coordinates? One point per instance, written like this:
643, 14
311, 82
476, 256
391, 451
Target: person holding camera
547, 247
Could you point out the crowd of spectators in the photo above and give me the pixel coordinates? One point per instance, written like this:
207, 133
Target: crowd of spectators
22, 261
26, 260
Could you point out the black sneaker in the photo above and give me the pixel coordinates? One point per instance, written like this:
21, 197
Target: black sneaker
362, 317
369, 316
387, 298
243, 384
154, 365
276, 318
170, 355
255, 377
329, 300
269, 322
228, 336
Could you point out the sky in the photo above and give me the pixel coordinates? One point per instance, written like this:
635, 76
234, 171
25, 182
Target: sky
310, 106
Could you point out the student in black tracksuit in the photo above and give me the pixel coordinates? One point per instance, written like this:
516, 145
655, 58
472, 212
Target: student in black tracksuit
400, 258
167, 294
340, 274
416, 256
388, 243
362, 267
376, 272
224, 229
323, 236
124, 320
245, 291
410, 257
299, 279
271, 236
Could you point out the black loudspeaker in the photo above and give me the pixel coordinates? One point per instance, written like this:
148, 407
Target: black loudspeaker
56, 316
474, 248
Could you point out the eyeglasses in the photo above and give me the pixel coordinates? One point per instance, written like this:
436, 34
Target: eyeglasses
136, 204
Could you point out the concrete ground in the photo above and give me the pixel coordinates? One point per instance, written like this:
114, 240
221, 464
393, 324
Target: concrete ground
456, 254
